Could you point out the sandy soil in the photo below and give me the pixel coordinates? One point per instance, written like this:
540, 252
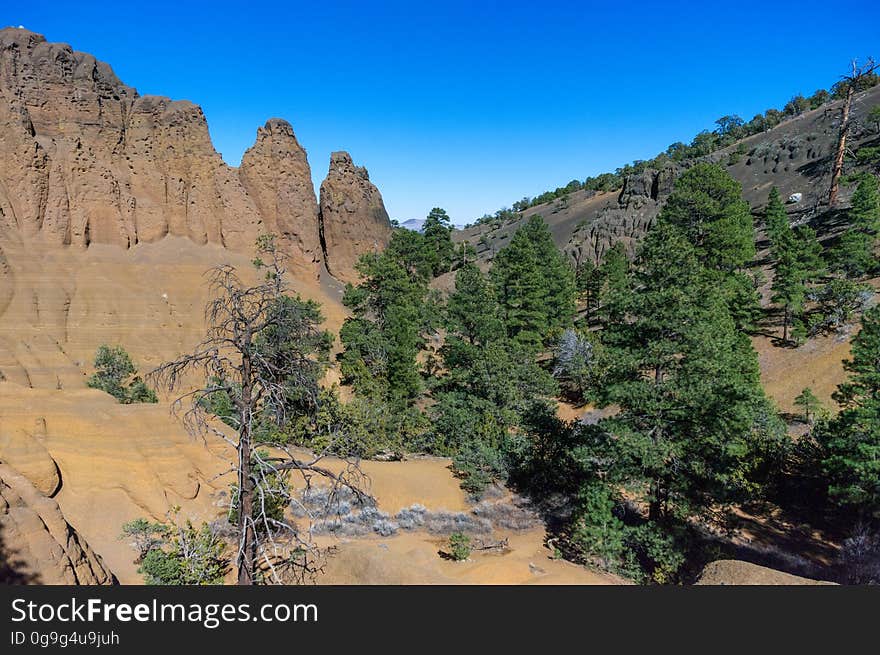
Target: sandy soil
817, 364
734, 572
414, 558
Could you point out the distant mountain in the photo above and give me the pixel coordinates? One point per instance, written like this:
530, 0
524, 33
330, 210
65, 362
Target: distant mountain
414, 224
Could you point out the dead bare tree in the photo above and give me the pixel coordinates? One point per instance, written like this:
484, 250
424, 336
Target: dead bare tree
850, 84
260, 350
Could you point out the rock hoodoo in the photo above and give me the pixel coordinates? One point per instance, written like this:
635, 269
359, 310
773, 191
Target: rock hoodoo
275, 172
85, 159
353, 216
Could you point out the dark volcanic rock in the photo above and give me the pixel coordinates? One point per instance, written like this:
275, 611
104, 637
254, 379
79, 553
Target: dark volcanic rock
637, 207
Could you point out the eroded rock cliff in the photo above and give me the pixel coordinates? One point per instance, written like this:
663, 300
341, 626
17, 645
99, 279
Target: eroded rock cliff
37, 544
275, 172
87, 160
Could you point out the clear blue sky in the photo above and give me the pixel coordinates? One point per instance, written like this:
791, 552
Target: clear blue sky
467, 105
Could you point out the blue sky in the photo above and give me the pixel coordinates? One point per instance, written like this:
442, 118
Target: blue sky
467, 105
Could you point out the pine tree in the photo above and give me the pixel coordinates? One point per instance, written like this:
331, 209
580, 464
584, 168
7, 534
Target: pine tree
439, 249
808, 404
614, 273
775, 217
694, 422
472, 310
392, 312
589, 280
851, 440
488, 379
797, 262
707, 206
865, 211
853, 255
484, 391
534, 285
597, 531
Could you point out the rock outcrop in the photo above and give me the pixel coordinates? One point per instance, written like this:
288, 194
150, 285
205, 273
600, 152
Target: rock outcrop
353, 216
117, 463
93, 162
626, 220
737, 572
275, 172
27, 454
85, 159
37, 544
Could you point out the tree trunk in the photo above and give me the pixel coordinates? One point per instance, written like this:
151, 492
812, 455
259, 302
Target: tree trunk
837, 171
785, 321
246, 511
245, 484
655, 506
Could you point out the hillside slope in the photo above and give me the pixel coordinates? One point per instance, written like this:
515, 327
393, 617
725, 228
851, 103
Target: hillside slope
794, 156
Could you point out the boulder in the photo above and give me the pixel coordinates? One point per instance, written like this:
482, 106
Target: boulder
37, 544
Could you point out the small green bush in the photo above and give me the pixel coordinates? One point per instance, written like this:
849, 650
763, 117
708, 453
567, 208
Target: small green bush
113, 367
459, 546
144, 536
194, 556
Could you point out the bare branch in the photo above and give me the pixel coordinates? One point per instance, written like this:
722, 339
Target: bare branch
260, 344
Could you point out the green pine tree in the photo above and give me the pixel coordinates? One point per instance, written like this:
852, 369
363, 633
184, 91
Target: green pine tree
694, 427
534, 285
614, 274
707, 206
853, 255
588, 280
113, 366
809, 405
472, 310
797, 261
393, 311
851, 441
775, 217
865, 211
439, 249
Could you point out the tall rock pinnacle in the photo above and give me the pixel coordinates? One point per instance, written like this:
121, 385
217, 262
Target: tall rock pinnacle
275, 172
353, 216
